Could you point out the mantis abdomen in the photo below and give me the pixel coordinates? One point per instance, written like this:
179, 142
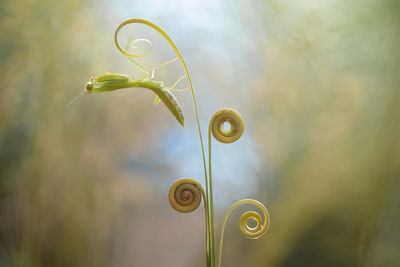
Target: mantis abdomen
171, 102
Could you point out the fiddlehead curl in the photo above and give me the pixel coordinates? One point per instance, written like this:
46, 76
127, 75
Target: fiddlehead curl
260, 228
185, 195
227, 117
252, 232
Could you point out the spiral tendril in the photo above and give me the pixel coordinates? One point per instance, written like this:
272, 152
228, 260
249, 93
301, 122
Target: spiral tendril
185, 195
250, 232
131, 43
235, 121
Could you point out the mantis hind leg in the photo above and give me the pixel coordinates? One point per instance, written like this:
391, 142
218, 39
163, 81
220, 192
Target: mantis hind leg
172, 88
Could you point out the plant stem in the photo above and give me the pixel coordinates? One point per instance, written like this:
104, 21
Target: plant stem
210, 203
210, 238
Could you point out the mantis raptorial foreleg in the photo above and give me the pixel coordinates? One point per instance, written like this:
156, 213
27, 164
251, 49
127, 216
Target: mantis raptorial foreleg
176, 83
130, 42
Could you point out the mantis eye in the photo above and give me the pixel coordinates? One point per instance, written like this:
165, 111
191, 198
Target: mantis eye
89, 87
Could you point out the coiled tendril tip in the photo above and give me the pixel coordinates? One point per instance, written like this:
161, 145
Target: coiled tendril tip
227, 117
185, 195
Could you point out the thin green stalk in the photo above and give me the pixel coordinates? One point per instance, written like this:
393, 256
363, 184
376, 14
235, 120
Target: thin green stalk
249, 232
210, 239
210, 202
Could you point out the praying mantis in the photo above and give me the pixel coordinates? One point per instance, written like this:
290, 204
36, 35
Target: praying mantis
114, 81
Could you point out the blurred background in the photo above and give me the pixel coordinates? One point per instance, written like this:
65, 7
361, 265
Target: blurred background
317, 83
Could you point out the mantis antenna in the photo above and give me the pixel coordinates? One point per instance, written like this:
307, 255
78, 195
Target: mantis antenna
80, 95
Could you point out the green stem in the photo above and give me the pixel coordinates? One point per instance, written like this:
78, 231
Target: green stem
210, 238
210, 202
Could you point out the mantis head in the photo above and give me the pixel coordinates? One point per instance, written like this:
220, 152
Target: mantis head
89, 86
88, 89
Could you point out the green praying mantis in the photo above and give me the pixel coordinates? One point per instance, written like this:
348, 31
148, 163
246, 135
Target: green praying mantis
114, 81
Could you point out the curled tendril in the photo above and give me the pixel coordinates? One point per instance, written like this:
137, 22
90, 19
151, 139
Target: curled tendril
185, 195
125, 52
227, 115
142, 40
248, 231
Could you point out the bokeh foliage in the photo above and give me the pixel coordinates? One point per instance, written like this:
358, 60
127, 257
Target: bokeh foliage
317, 83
